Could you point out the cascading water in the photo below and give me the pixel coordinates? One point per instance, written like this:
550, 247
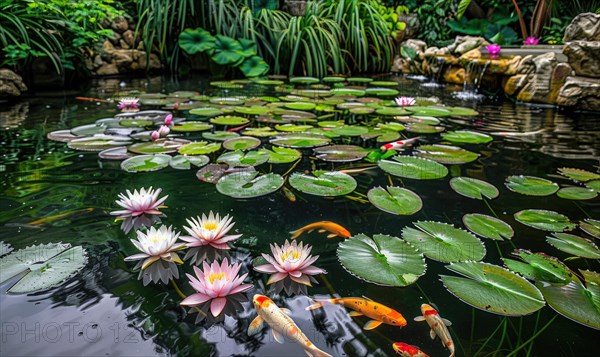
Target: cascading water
474, 72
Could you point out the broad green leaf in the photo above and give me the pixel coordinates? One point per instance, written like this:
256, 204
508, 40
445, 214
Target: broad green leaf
88, 130
241, 143
359, 79
247, 185
392, 111
199, 148
473, 188
340, 153
300, 105
292, 127
146, 163
279, 155
206, 112
191, 126
487, 226
423, 128
384, 83
461, 111
229, 120
154, 147
304, 80
444, 242
350, 130
445, 154
467, 136
544, 220
578, 174
254, 66
433, 111
228, 51
395, 200
323, 183
303, 140
219, 135
181, 162
576, 193
193, 41
312, 93
574, 245
530, 185
413, 167
594, 185
540, 267
252, 110
493, 289
22, 259
348, 91
381, 92
265, 131
383, 260
591, 227
99, 142
239, 158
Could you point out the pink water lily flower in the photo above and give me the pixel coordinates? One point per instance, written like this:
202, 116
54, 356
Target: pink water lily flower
493, 49
169, 119
405, 101
208, 236
215, 284
129, 104
141, 208
531, 41
291, 261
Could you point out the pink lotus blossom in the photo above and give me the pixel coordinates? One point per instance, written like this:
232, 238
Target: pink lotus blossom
155, 135
211, 230
163, 130
531, 41
141, 208
129, 104
169, 120
493, 49
215, 283
405, 101
290, 260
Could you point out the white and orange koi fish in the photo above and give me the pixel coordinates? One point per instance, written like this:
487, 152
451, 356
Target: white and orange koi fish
400, 144
281, 325
406, 350
438, 326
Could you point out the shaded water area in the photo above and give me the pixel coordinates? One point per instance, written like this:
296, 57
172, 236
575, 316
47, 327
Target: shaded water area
50, 193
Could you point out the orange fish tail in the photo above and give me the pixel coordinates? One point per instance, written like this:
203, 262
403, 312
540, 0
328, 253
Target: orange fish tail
296, 233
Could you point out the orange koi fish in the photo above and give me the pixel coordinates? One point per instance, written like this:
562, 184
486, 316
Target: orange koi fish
59, 216
335, 229
438, 326
92, 99
281, 325
399, 145
406, 350
379, 314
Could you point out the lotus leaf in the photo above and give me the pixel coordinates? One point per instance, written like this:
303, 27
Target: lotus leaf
421, 119
228, 100
199, 148
241, 143
323, 183
487, 226
382, 92
88, 130
248, 49
383, 260
540, 267
433, 111
252, 110
395, 200
544, 220
391, 111
382, 136
63, 136
341, 153
530, 185
359, 80
594, 185
279, 155
155, 147
493, 289
304, 80
574, 245
414, 168
591, 227
576, 193
312, 93
260, 132
348, 91
196, 41
578, 174
334, 79
211, 173
254, 66
350, 130
98, 142
247, 185
238, 158
575, 300
183, 94
391, 126
191, 126
219, 135
300, 105
229, 120
206, 112
22, 259
473, 188
467, 136
118, 153
269, 82
181, 162
422, 128
145, 163
300, 140
446, 154
228, 51
384, 83
292, 127
461, 111
361, 110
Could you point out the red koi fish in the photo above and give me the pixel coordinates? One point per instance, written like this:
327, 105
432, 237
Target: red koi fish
335, 229
438, 326
406, 350
399, 145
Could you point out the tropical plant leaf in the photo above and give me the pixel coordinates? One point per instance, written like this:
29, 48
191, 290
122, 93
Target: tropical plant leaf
146, 163
323, 183
199, 148
544, 220
578, 174
487, 226
383, 260
444, 242
540, 267
228, 51
591, 227
22, 259
193, 41
395, 200
473, 188
531, 185
247, 185
241, 143
413, 167
446, 154
576, 193
467, 136
493, 289
572, 244
340, 153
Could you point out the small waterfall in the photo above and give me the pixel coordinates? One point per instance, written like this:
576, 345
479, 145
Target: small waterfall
474, 71
436, 65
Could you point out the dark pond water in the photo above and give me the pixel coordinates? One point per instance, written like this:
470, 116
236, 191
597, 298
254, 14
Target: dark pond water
106, 311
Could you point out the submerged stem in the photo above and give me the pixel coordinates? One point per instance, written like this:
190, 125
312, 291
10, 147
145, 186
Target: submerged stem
489, 338
530, 340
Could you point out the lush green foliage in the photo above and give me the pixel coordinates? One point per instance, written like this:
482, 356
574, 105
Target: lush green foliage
433, 17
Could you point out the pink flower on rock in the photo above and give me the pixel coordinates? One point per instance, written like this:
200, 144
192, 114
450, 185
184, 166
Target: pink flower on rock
493, 49
531, 41
405, 101
141, 208
216, 284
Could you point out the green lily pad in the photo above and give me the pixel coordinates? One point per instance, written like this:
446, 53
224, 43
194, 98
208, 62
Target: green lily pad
254, 66
304, 80
578, 174
261, 132
461, 111
544, 220
383, 260
421, 119
395, 200
467, 136
22, 259
304, 140
292, 127
382, 92
88, 130
384, 83
241, 143
268, 82
361, 110
219, 135
279, 155
576, 301
422, 128
391, 126
348, 91
312, 93
444, 242
487, 226
531, 185
414, 168
300, 105
334, 79
252, 110
540, 267
473, 188
191, 126
135, 123
98, 142
446, 154
247, 185
182, 162
350, 130
152, 95
229, 120
239, 158
156, 147
576, 193
323, 183
594, 185
145, 163
381, 135
199, 148
591, 227
157, 102
183, 94
432, 111
340, 153
228, 100
359, 80
493, 289
572, 244
392, 111
206, 112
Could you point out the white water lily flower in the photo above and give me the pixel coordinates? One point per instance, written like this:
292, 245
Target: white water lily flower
405, 101
141, 208
208, 237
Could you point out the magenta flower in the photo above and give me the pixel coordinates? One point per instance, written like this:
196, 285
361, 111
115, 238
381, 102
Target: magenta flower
169, 120
405, 101
208, 235
129, 104
216, 284
141, 208
293, 261
155, 135
531, 41
493, 49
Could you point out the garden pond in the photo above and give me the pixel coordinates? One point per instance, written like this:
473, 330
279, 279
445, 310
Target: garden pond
454, 219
